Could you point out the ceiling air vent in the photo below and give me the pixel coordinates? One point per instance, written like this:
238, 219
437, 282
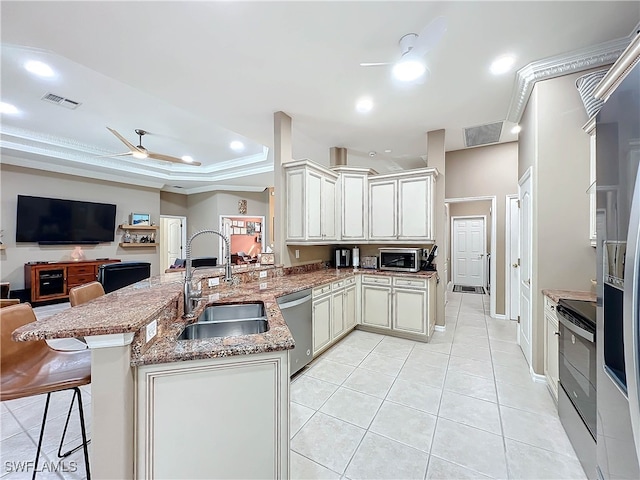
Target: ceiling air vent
62, 101
483, 134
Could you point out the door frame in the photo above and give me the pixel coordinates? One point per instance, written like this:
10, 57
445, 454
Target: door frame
484, 230
508, 228
527, 175
222, 230
493, 247
183, 219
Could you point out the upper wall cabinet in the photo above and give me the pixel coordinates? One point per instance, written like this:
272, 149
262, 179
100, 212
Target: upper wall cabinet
401, 206
311, 202
590, 129
353, 203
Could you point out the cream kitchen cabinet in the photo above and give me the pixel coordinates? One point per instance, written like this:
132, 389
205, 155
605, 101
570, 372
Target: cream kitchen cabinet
311, 203
551, 344
590, 129
401, 206
350, 306
399, 305
201, 410
353, 203
334, 312
321, 319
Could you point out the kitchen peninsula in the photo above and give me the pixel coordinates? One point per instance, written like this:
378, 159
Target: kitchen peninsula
164, 407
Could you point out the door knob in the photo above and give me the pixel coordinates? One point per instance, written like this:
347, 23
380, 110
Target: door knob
514, 265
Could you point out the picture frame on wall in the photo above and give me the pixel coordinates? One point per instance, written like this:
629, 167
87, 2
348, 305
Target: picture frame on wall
140, 219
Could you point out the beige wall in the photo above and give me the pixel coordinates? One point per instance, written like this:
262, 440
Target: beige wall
16, 181
487, 171
469, 209
554, 144
204, 210
174, 204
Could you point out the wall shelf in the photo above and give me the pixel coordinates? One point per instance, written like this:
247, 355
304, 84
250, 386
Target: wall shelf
138, 227
138, 245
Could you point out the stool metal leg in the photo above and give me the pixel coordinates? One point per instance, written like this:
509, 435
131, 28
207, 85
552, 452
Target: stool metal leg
85, 442
76, 394
44, 421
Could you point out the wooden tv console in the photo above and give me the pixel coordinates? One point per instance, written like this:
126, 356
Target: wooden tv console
53, 280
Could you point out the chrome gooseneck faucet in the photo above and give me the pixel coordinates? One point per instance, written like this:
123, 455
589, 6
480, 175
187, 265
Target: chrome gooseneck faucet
190, 298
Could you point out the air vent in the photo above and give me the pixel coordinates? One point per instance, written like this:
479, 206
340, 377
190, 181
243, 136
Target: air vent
62, 101
483, 134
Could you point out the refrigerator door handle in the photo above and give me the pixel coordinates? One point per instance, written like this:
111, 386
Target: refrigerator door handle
630, 314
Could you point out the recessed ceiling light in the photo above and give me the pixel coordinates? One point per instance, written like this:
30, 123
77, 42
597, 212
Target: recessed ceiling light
8, 108
364, 105
388, 150
502, 64
236, 146
187, 158
39, 68
516, 129
408, 70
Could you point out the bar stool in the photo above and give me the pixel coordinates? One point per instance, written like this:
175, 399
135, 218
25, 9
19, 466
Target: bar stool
83, 293
33, 368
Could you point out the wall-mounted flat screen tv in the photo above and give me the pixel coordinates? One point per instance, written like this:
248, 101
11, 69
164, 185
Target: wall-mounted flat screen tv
57, 221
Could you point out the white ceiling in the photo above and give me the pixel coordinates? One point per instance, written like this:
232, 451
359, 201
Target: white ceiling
197, 75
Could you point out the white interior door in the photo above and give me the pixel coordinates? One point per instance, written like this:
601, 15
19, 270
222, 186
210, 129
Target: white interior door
469, 251
172, 240
513, 239
526, 235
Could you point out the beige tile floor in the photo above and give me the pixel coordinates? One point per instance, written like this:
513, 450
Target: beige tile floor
373, 406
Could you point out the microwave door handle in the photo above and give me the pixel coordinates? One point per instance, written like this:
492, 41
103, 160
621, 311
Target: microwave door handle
581, 332
630, 313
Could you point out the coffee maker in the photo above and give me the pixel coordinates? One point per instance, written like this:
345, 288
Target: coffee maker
341, 257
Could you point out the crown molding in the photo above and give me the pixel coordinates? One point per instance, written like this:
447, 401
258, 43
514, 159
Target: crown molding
585, 59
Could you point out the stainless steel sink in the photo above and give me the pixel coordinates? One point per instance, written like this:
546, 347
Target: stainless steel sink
228, 321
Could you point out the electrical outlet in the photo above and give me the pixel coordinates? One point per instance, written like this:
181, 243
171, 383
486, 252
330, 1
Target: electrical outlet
214, 281
152, 330
263, 274
297, 253
263, 285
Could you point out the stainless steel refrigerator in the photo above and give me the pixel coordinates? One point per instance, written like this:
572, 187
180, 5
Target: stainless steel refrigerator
618, 254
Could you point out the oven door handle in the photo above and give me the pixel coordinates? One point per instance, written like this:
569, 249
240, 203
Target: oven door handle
581, 332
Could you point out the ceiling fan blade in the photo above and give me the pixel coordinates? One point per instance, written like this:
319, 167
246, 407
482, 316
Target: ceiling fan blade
374, 64
168, 158
115, 155
429, 36
129, 145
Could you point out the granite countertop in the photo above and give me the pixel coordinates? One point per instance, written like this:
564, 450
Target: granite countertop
556, 295
130, 309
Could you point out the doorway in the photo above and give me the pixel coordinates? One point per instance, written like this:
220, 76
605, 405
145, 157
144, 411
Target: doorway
468, 244
246, 234
173, 239
525, 193
512, 260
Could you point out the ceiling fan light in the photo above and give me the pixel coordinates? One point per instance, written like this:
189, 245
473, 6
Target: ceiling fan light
8, 108
408, 70
187, 158
140, 155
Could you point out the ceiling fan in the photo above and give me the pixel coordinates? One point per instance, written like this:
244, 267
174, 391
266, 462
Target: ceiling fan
141, 152
413, 48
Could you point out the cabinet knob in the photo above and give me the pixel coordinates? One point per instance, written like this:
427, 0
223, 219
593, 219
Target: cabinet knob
557, 333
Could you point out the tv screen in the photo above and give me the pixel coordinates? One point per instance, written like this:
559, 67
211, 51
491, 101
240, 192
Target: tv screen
53, 220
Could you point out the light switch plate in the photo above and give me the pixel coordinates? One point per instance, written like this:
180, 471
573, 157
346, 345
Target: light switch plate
263, 285
152, 330
263, 274
214, 282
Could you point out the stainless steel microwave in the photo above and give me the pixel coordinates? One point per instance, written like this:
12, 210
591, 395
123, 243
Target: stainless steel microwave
401, 259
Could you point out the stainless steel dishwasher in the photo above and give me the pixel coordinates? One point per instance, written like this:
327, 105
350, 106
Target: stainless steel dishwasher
296, 310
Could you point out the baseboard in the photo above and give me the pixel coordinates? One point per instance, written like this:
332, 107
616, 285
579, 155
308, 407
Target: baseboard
440, 328
499, 316
537, 377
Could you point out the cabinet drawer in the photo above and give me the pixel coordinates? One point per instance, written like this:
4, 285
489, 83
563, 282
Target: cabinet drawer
549, 304
410, 282
337, 285
73, 280
80, 270
321, 290
376, 280
350, 281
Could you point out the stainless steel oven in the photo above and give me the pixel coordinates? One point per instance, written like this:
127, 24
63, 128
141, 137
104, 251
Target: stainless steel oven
577, 378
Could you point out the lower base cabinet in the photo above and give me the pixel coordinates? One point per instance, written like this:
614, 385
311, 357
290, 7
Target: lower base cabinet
321, 322
551, 344
214, 418
334, 312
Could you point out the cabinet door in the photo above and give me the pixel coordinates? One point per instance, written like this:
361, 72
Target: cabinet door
313, 198
329, 209
382, 210
431, 304
321, 323
337, 313
353, 207
410, 310
350, 307
376, 306
551, 367
414, 208
295, 185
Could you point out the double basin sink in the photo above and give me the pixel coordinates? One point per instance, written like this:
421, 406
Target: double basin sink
228, 320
